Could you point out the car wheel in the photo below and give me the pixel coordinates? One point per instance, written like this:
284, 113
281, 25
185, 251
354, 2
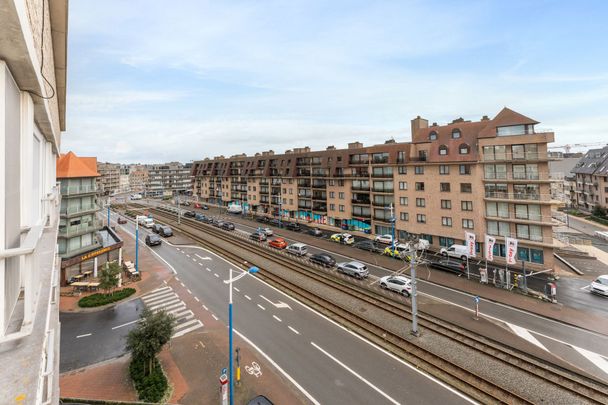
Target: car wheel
383, 286
444, 254
463, 258
405, 293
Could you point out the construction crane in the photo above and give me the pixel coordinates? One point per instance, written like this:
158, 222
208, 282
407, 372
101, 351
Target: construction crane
577, 145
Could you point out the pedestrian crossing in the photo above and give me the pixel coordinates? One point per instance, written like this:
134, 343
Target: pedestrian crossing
165, 298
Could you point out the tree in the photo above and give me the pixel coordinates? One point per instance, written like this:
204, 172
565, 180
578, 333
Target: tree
148, 338
108, 279
599, 211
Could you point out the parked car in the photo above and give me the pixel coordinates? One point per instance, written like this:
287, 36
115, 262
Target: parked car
165, 231
292, 226
153, 240
262, 219
259, 400
315, 232
323, 259
355, 269
343, 238
459, 251
197, 205
298, 249
199, 217
386, 239
208, 220
156, 228
600, 286
217, 222
449, 265
189, 214
267, 231
204, 207
185, 203
278, 243
276, 222
399, 284
258, 235
400, 251
122, 220
368, 245
229, 226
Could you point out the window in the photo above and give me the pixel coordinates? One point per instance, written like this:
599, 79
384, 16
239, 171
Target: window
445, 242
420, 202
536, 256
419, 169
446, 204
419, 186
284, 191
421, 218
341, 208
446, 221
466, 188
467, 223
332, 207
464, 149
340, 183
444, 187
404, 216
403, 201
341, 195
455, 133
291, 201
332, 194
291, 191
332, 182
402, 169
444, 169
403, 185
400, 157
500, 209
443, 150
495, 171
432, 136
466, 205
465, 169
498, 228
284, 200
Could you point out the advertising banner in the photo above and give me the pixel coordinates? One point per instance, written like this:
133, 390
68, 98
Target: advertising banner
489, 244
470, 242
511, 250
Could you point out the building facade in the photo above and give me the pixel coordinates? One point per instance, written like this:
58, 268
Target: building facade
78, 223
138, 178
33, 66
591, 173
168, 179
486, 177
563, 180
108, 181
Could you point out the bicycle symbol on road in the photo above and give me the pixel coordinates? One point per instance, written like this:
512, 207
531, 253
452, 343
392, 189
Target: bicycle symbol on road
254, 369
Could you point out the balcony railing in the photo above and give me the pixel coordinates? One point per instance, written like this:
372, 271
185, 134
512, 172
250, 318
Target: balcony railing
361, 214
512, 216
360, 188
360, 202
74, 190
358, 162
79, 210
517, 176
382, 218
382, 203
73, 230
383, 190
379, 161
509, 156
518, 196
383, 175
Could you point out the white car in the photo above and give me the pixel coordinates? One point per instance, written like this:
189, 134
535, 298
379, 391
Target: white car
267, 231
600, 286
400, 284
387, 239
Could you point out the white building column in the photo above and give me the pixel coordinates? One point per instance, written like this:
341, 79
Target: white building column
95, 267
120, 256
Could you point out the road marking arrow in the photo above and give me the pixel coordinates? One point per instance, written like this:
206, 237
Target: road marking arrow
280, 304
203, 258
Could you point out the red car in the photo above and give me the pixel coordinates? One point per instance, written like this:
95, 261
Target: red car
278, 243
197, 205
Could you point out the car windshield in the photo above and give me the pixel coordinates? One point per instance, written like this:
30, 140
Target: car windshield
602, 281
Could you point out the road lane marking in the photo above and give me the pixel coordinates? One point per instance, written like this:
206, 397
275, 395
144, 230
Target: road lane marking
586, 287
196, 298
276, 366
595, 358
189, 292
525, 334
200, 264
183, 285
207, 268
248, 297
263, 309
203, 257
193, 259
378, 390
85, 335
177, 278
277, 318
187, 255
293, 330
236, 289
125, 324
206, 309
280, 304
214, 317
215, 274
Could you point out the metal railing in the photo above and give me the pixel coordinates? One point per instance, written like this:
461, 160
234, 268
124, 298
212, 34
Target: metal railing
84, 208
73, 190
516, 176
518, 196
74, 230
509, 156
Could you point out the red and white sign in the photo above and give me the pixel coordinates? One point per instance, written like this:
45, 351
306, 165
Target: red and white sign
511, 250
489, 242
470, 241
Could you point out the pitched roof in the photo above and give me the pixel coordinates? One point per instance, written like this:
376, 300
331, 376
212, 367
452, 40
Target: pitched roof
72, 166
595, 161
504, 118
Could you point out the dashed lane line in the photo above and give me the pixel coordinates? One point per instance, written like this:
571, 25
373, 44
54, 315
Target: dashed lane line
85, 335
293, 330
206, 309
215, 274
248, 297
189, 292
196, 298
277, 318
125, 324
236, 289
182, 284
215, 317
261, 307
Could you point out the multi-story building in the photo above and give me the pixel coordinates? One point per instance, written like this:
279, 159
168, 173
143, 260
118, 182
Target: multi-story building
563, 183
168, 179
33, 66
487, 177
108, 181
138, 177
592, 180
78, 223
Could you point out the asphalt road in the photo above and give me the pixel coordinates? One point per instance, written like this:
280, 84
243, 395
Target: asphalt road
91, 337
583, 348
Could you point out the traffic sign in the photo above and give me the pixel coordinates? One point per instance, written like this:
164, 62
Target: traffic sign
476, 299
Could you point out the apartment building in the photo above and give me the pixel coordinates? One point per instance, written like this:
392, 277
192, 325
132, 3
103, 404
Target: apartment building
168, 179
33, 66
488, 176
108, 181
138, 177
563, 180
591, 173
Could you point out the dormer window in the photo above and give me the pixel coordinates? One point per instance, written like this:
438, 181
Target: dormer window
455, 133
433, 136
443, 150
464, 149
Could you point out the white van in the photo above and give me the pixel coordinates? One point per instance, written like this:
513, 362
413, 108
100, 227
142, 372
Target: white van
298, 249
459, 251
135, 196
145, 221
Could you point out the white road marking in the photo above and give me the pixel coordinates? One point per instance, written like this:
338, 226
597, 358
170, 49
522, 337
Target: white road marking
595, 358
293, 330
207, 268
85, 335
215, 274
182, 284
378, 390
236, 289
276, 366
525, 334
203, 257
193, 259
206, 309
277, 318
187, 255
178, 249
197, 324
214, 317
200, 264
125, 324
280, 304
248, 297
177, 278
263, 309
189, 292
587, 287
196, 298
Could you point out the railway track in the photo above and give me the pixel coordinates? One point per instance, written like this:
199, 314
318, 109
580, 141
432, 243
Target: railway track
477, 386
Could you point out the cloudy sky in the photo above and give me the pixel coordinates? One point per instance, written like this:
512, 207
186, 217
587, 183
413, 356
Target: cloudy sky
152, 81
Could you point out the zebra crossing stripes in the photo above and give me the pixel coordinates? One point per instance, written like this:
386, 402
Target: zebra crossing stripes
166, 299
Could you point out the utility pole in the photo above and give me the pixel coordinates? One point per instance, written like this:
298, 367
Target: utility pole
179, 212
392, 219
414, 295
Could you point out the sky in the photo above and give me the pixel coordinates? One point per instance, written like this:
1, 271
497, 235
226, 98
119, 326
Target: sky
158, 81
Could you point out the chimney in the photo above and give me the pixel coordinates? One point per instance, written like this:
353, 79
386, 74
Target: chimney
355, 145
332, 147
434, 124
417, 124
485, 118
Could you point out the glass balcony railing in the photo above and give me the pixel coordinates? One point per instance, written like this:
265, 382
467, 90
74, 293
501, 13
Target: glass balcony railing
73, 230
73, 190
80, 209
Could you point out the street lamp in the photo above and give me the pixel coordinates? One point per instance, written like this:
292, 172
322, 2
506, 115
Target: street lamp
136, 245
392, 221
251, 270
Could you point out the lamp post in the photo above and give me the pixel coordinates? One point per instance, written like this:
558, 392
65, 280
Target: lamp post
392, 221
414, 295
251, 270
136, 246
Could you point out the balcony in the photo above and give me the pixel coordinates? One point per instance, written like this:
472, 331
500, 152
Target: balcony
383, 190
319, 208
512, 217
382, 218
73, 211
380, 161
357, 162
76, 190
360, 188
361, 214
510, 157
360, 202
535, 177
304, 206
382, 175
80, 229
497, 195
319, 185
383, 204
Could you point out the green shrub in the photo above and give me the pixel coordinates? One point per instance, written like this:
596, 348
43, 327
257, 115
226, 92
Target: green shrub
599, 211
602, 221
150, 388
96, 300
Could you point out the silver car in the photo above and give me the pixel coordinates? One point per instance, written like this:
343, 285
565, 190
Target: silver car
354, 269
399, 284
600, 286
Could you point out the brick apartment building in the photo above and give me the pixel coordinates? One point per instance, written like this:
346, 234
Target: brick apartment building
168, 179
489, 176
591, 173
108, 181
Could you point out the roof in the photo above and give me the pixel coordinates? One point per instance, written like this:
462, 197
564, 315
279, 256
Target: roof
72, 166
595, 162
506, 117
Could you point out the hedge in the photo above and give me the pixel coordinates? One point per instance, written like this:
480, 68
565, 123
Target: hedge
96, 300
150, 388
603, 221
